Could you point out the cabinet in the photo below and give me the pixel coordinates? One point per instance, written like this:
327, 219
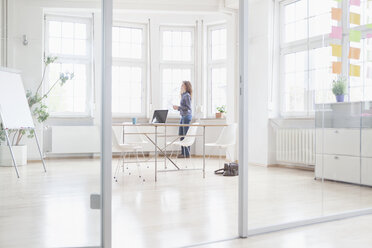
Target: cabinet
344, 142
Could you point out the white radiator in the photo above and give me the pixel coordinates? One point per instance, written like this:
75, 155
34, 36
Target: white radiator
295, 146
73, 139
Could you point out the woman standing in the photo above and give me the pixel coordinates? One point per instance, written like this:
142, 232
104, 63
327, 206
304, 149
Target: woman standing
186, 114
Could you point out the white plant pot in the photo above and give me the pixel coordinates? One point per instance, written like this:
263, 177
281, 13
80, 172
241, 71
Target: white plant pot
20, 155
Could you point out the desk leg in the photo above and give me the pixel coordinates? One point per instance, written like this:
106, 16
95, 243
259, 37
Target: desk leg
203, 151
156, 154
165, 147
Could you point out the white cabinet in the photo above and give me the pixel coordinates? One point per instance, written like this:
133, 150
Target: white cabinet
366, 171
366, 136
338, 168
341, 141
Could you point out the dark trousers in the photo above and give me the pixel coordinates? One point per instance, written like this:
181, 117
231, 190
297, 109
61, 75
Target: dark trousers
183, 131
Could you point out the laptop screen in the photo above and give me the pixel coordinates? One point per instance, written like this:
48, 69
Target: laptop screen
160, 116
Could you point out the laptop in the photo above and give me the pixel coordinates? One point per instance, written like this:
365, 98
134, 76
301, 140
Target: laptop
160, 116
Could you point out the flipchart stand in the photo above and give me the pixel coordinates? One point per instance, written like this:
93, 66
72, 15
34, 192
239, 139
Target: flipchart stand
15, 113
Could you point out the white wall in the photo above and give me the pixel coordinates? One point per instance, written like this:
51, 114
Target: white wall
26, 18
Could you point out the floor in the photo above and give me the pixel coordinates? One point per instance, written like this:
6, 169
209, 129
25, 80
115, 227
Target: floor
181, 209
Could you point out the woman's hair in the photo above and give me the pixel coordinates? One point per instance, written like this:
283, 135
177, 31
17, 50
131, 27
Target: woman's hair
188, 87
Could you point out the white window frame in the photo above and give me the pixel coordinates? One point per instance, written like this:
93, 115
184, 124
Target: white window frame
164, 64
307, 45
222, 63
137, 63
88, 60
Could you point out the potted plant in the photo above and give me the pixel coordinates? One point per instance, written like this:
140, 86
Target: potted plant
339, 89
39, 112
221, 111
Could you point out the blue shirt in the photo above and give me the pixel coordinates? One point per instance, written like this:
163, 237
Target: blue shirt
185, 104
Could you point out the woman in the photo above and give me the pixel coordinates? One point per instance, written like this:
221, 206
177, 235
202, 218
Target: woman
186, 114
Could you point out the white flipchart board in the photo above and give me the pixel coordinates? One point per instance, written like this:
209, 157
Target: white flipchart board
14, 110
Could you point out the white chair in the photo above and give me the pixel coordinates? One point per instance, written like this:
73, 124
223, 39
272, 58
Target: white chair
188, 140
226, 139
135, 138
123, 149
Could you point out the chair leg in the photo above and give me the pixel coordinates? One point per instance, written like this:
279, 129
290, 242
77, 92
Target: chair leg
185, 157
190, 156
144, 158
117, 168
138, 166
219, 158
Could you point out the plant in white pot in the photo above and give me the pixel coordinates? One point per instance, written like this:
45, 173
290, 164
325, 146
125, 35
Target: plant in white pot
40, 114
339, 89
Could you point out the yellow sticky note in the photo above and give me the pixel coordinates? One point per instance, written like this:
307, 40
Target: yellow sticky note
354, 71
336, 50
354, 18
336, 67
354, 53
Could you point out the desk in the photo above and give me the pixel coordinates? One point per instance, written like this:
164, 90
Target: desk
155, 140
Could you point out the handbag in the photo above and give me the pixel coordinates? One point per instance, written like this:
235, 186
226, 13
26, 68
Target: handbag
228, 170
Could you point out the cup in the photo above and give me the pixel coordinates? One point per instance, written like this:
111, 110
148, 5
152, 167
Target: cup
134, 120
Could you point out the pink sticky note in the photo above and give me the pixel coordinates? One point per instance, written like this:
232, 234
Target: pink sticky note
336, 33
355, 2
369, 36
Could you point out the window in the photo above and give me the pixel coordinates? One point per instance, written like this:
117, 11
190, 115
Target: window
177, 63
129, 70
306, 59
306, 54
70, 40
217, 64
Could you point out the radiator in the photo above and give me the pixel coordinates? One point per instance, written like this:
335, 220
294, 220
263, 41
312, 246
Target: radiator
73, 139
295, 146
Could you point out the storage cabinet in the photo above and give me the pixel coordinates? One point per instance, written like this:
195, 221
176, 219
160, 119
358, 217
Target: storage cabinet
344, 142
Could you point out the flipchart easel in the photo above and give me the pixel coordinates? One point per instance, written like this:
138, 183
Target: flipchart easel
15, 113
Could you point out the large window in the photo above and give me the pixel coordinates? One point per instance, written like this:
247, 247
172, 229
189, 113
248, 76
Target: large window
177, 63
217, 64
129, 70
307, 55
70, 40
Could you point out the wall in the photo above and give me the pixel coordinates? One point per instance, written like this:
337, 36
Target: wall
26, 17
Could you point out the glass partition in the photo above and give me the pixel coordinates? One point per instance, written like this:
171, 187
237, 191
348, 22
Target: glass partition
55, 47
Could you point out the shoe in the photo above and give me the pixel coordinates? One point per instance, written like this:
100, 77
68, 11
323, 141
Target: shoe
181, 156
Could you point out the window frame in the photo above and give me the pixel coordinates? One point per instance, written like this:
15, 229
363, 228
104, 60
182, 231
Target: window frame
164, 64
130, 62
87, 60
308, 44
221, 63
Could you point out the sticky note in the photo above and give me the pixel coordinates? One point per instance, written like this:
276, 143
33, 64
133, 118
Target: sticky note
336, 33
338, 1
355, 2
369, 25
355, 35
354, 71
336, 67
336, 14
369, 35
336, 50
354, 18
354, 53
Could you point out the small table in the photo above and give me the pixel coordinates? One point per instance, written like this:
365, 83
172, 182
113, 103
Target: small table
155, 140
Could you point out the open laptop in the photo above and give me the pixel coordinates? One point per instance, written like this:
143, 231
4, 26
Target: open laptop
160, 116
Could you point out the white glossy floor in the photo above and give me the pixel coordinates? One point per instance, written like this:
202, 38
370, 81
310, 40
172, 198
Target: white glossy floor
181, 209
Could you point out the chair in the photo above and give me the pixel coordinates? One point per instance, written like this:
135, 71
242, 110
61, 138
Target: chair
123, 149
227, 138
136, 139
188, 140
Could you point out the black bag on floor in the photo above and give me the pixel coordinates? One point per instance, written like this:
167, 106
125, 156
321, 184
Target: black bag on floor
229, 170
